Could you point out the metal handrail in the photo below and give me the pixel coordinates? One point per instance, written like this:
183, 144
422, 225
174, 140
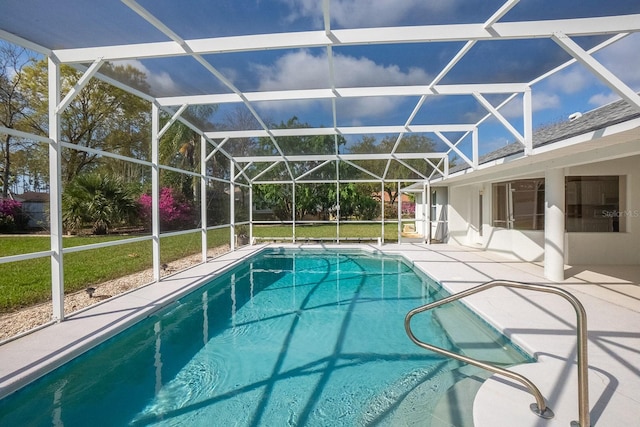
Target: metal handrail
539, 408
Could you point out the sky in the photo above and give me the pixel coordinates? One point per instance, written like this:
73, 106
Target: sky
554, 99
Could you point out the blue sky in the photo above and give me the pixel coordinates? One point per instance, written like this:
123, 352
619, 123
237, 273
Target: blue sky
81, 23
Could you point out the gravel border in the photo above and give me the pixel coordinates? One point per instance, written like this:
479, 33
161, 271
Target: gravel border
24, 320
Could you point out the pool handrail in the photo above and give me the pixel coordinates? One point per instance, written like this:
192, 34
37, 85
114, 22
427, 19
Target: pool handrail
539, 407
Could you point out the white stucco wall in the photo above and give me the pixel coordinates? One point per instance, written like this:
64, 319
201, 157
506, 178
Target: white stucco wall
464, 226
580, 248
611, 248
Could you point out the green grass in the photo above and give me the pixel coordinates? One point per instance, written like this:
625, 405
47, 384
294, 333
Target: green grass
28, 282
328, 231
25, 283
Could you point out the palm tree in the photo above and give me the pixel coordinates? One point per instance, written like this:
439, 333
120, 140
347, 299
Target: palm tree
96, 200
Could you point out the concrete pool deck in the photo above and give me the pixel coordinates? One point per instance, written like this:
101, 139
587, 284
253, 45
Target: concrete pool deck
542, 324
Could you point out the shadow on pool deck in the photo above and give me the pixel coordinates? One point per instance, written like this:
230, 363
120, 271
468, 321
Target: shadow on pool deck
539, 324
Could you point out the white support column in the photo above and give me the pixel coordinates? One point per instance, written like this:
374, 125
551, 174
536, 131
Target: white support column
203, 196
474, 143
250, 213
155, 190
554, 225
335, 139
399, 199
382, 210
428, 213
425, 206
55, 190
338, 214
527, 106
232, 205
293, 211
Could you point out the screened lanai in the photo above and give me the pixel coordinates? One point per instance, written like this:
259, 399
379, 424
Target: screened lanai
307, 99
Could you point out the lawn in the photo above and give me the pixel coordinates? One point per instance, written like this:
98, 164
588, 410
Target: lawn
25, 283
328, 231
28, 282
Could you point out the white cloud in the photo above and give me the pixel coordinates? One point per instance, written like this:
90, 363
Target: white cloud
160, 83
572, 80
601, 99
545, 101
303, 70
539, 101
369, 13
623, 60
382, 12
299, 70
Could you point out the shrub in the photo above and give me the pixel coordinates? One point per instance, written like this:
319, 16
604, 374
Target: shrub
10, 213
175, 211
97, 201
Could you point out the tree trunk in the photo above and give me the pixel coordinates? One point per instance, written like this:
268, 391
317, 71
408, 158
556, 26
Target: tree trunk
6, 172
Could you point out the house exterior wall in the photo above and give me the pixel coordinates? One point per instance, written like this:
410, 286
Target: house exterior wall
608, 248
611, 248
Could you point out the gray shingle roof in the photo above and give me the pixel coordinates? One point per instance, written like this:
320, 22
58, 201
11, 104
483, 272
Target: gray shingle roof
607, 115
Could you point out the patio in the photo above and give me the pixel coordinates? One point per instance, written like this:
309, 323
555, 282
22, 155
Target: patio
543, 325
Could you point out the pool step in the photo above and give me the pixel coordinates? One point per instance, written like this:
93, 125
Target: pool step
455, 407
473, 337
428, 399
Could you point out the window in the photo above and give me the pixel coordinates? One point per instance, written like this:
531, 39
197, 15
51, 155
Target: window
593, 204
519, 204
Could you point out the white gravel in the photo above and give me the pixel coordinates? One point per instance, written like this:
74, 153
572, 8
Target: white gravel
14, 323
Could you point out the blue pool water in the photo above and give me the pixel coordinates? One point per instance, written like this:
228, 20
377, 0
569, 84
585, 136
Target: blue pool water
289, 338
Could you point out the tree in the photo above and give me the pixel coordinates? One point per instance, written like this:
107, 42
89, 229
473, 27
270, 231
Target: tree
310, 197
179, 148
97, 200
13, 104
101, 116
413, 143
356, 201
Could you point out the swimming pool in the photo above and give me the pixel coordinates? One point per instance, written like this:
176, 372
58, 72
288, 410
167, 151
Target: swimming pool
304, 337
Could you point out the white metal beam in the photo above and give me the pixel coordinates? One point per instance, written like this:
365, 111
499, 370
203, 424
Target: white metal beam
55, 189
357, 36
274, 163
454, 148
408, 166
368, 172
608, 42
436, 167
145, 14
493, 110
82, 82
475, 146
203, 199
324, 157
617, 85
527, 112
216, 147
504, 9
173, 119
243, 171
309, 172
155, 190
25, 135
27, 44
345, 92
341, 130
458, 56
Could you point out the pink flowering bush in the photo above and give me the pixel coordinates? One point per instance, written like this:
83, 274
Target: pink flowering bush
175, 211
10, 212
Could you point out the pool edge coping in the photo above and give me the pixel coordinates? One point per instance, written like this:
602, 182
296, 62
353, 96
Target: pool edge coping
47, 360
